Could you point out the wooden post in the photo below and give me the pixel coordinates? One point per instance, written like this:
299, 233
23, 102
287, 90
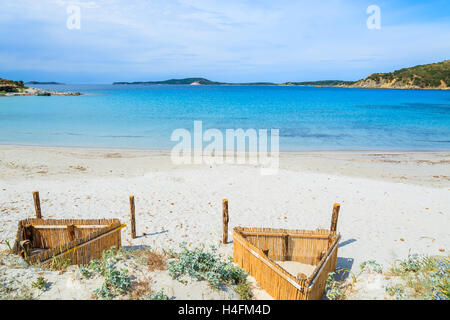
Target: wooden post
334, 218
321, 254
133, 220
225, 220
285, 247
37, 204
28, 232
71, 231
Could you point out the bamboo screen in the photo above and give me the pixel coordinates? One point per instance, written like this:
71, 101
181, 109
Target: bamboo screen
256, 250
80, 241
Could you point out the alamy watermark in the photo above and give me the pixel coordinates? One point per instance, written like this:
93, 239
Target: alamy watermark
74, 18
238, 146
374, 20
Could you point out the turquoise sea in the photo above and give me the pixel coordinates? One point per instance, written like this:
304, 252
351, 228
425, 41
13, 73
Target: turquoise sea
308, 118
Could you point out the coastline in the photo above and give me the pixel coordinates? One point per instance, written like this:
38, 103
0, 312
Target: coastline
290, 151
283, 85
424, 168
394, 88
31, 91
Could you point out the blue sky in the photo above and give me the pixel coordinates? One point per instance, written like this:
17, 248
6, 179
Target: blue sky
235, 41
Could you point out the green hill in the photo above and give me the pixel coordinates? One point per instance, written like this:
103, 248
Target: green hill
40, 82
11, 86
17, 88
427, 76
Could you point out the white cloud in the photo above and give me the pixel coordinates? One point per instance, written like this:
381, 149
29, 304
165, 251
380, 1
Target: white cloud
205, 37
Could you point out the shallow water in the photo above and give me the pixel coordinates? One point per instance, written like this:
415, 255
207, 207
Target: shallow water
126, 116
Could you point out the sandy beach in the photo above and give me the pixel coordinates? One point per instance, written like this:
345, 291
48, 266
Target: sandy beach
391, 202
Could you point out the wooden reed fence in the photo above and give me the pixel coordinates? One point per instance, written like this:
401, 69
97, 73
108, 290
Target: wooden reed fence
256, 250
77, 240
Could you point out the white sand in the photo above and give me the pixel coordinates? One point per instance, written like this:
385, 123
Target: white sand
390, 202
294, 267
16, 279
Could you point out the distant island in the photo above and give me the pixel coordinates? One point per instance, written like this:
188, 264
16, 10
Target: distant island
193, 81
40, 82
428, 76
319, 83
18, 88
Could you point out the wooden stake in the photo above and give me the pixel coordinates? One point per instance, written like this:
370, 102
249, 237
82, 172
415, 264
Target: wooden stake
71, 231
133, 220
334, 218
225, 220
285, 247
28, 232
37, 204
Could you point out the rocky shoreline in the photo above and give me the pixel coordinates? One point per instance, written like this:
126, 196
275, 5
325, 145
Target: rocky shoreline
28, 91
388, 87
393, 84
10, 88
432, 76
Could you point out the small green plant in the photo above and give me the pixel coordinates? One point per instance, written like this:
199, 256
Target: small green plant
21, 293
116, 281
95, 265
203, 265
398, 291
160, 295
170, 253
9, 246
108, 257
441, 287
426, 277
60, 263
412, 263
111, 253
333, 288
41, 283
371, 266
244, 290
442, 290
85, 273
